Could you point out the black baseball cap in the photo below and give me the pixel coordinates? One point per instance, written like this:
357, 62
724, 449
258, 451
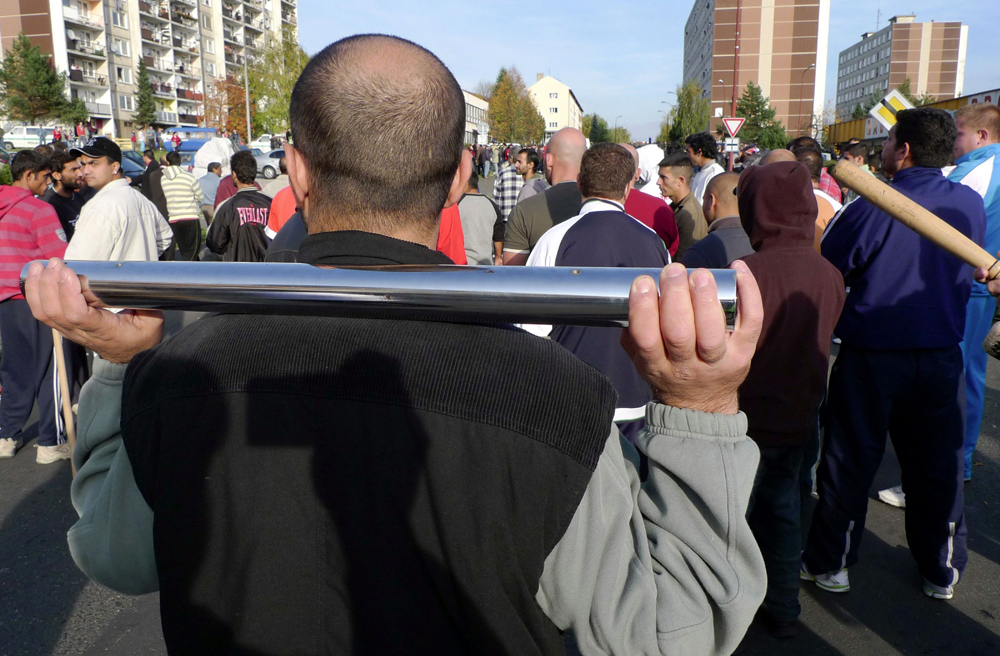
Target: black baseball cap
99, 147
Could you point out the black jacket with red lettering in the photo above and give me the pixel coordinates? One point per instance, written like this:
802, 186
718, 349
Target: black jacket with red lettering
237, 232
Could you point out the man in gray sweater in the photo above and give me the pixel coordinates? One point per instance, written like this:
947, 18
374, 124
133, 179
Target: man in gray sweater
554, 535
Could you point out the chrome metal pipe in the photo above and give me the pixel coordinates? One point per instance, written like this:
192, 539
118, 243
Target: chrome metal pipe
514, 294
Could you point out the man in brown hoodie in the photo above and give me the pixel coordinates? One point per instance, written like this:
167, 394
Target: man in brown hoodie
803, 295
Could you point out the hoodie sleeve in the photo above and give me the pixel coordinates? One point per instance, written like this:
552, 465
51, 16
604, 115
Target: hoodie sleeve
48, 232
667, 565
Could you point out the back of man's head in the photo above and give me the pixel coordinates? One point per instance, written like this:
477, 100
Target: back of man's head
59, 147
174, 158
778, 155
857, 150
149, 154
681, 165
28, 162
283, 165
720, 197
564, 155
929, 132
361, 107
799, 143
606, 171
980, 116
635, 155
244, 166
215, 167
812, 160
473, 183
702, 144
45, 150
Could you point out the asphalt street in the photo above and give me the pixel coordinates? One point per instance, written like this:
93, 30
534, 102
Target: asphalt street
48, 607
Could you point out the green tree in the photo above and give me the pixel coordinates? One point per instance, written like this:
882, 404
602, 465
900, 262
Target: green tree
859, 112
6, 177
272, 79
145, 105
598, 131
512, 116
665, 126
74, 111
904, 90
761, 126
30, 88
691, 113
619, 135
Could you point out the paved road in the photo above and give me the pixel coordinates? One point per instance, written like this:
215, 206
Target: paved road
48, 607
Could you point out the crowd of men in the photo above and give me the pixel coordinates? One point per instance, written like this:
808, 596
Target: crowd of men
486, 489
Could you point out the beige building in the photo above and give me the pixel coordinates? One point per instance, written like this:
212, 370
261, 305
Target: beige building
186, 45
557, 104
477, 129
931, 55
782, 48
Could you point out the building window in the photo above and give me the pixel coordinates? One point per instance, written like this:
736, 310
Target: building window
122, 48
553, 124
553, 110
210, 68
207, 3
554, 94
126, 102
206, 21
209, 46
124, 75
119, 19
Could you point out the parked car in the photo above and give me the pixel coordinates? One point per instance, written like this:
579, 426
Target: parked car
26, 136
263, 142
132, 171
135, 156
267, 165
5, 157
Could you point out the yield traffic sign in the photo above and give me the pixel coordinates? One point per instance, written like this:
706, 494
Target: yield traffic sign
733, 125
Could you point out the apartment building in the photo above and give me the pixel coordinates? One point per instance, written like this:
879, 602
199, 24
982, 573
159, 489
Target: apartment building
557, 104
477, 128
782, 49
185, 44
931, 55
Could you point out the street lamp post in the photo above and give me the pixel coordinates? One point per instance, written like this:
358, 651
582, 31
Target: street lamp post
802, 83
614, 135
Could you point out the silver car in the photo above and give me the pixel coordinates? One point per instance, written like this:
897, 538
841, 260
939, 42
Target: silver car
267, 164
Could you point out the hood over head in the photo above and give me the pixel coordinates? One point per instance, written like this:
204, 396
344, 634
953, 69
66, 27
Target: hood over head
11, 196
777, 205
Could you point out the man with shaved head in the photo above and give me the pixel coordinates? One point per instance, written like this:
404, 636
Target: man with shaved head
389, 486
532, 217
726, 240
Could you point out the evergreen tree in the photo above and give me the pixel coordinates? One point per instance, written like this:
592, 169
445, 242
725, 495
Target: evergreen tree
761, 126
859, 112
74, 111
512, 116
691, 113
145, 105
598, 132
30, 88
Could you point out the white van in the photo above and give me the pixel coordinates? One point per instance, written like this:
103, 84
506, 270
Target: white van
26, 136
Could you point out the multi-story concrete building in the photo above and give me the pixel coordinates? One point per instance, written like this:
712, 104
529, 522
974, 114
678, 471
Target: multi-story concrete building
557, 104
931, 55
477, 128
782, 48
185, 44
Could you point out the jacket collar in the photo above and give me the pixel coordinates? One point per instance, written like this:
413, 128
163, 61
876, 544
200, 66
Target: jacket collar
600, 205
984, 152
356, 248
917, 171
725, 223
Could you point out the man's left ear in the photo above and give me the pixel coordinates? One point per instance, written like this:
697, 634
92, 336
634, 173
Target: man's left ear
461, 179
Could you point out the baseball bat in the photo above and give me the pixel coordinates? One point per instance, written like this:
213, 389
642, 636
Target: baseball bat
926, 224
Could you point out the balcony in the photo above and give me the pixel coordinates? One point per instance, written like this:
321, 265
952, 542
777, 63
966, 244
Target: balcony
232, 38
254, 4
169, 118
79, 77
98, 109
76, 18
257, 25
289, 18
189, 3
90, 50
183, 19
234, 59
162, 89
186, 94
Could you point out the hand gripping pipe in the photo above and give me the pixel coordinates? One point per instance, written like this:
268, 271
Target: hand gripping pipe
506, 294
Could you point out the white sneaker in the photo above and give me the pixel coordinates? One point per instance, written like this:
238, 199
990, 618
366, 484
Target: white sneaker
893, 496
831, 582
8, 447
937, 592
48, 454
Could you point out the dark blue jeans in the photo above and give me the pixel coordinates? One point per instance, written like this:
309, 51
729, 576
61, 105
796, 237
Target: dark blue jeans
27, 372
775, 518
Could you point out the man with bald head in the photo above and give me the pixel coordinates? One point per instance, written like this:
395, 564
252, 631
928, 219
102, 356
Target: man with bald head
388, 486
532, 217
778, 155
726, 240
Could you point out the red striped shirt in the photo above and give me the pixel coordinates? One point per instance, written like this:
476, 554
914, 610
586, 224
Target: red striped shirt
29, 230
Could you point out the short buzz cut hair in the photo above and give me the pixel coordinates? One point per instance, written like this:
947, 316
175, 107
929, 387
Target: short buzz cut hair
931, 134
679, 161
28, 161
173, 158
980, 116
212, 166
605, 171
702, 143
361, 106
857, 150
244, 165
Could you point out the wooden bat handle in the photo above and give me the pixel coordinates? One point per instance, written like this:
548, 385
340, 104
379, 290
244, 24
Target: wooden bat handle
915, 217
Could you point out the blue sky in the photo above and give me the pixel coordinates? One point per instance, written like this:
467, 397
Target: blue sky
620, 57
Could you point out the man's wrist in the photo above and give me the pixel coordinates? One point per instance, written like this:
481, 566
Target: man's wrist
726, 404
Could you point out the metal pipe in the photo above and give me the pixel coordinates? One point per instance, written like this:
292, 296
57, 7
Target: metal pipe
535, 295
